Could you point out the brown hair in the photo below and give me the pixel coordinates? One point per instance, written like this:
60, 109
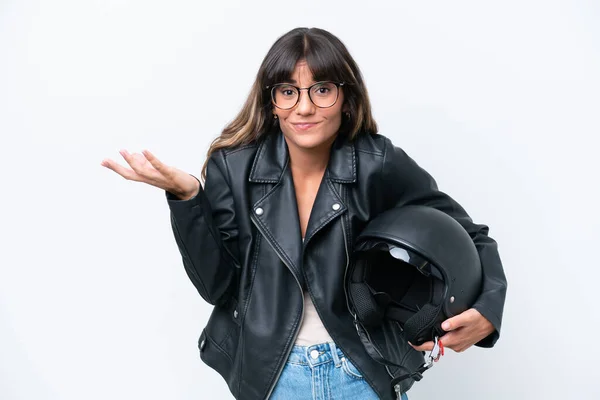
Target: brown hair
327, 58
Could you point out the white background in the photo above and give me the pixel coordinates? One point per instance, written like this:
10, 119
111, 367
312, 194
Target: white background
499, 101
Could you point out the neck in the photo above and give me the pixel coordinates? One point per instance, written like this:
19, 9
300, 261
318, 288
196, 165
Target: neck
308, 162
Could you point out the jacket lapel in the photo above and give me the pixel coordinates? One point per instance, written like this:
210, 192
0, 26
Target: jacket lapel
329, 204
275, 211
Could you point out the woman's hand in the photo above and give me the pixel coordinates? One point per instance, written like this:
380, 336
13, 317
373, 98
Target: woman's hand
148, 169
464, 330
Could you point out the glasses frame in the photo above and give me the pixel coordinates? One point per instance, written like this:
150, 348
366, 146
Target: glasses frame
299, 89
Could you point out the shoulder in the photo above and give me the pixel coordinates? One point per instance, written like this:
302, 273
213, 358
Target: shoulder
228, 162
396, 169
232, 156
236, 151
380, 147
370, 143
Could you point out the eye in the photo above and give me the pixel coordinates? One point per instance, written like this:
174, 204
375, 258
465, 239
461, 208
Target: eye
323, 89
286, 91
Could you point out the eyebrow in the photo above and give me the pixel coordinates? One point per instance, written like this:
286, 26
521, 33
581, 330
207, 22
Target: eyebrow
293, 81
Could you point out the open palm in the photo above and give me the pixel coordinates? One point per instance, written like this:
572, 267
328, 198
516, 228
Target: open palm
146, 168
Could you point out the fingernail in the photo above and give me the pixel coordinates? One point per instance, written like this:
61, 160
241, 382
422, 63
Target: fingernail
446, 326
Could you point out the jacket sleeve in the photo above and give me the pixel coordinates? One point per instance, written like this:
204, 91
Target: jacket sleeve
406, 183
206, 233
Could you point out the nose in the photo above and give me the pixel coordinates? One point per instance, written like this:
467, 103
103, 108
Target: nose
304, 106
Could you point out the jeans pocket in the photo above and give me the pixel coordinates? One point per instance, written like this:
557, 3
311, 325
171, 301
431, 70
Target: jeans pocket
350, 369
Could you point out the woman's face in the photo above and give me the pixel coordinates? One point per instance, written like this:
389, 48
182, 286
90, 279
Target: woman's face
307, 126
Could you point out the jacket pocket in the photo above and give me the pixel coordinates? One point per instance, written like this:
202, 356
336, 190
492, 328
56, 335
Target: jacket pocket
218, 342
224, 326
214, 356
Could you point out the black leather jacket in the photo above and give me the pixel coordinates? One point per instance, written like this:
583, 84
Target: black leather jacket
242, 249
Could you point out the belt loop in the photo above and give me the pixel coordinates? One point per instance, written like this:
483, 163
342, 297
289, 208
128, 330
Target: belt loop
334, 354
306, 356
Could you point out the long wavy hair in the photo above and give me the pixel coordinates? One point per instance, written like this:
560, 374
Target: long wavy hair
328, 59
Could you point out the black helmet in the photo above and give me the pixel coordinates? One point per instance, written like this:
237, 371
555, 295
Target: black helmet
414, 267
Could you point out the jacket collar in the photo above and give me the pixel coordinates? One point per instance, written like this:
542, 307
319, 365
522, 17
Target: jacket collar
272, 158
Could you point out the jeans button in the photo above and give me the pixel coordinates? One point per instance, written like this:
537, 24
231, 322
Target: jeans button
314, 354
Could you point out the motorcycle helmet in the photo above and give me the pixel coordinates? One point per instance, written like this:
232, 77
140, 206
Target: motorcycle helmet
413, 267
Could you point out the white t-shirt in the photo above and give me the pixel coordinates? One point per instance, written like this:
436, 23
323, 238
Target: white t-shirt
312, 330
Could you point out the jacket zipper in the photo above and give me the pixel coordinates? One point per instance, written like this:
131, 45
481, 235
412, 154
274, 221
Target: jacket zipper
346, 272
348, 301
301, 316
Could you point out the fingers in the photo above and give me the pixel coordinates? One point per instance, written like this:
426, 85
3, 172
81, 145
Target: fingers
156, 163
457, 342
139, 171
452, 323
463, 331
460, 320
119, 169
145, 168
450, 340
132, 160
143, 171
427, 346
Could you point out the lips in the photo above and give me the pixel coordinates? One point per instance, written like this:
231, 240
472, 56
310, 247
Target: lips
302, 126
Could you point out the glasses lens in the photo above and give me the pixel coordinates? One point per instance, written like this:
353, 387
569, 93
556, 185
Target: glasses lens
284, 96
324, 94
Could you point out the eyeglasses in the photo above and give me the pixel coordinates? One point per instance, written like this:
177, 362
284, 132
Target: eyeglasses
322, 94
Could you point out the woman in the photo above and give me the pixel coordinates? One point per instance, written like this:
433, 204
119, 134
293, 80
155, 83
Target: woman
288, 185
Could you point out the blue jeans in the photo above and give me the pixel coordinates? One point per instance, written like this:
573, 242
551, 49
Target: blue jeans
321, 372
